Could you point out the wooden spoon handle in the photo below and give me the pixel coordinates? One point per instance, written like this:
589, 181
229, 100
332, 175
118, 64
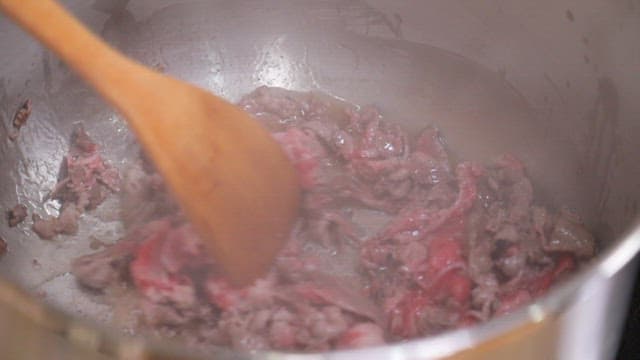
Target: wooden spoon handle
99, 64
232, 178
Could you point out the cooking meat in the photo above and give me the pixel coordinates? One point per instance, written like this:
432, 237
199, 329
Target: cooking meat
3, 246
361, 335
569, 235
85, 180
156, 268
395, 241
20, 118
22, 114
66, 223
16, 215
103, 268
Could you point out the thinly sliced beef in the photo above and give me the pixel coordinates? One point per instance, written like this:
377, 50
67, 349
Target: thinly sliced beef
220, 293
16, 215
430, 158
306, 154
444, 294
153, 278
425, 220
86, 179
104, 268
443, 246
533, 285
570, 236
66, 223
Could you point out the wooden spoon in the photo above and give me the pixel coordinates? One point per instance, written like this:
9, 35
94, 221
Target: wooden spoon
232, 179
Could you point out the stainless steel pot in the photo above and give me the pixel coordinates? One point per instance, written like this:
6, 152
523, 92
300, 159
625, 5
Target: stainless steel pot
555, 82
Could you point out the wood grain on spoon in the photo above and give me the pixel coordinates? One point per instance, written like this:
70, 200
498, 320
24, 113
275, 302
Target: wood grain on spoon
231, 178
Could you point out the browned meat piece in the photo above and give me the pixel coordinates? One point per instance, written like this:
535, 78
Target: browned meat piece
82, 170
22, 114
103, 268
68, 220
16, 215
158, 314
97, 195
484, 295
46, 229
3, 246
418, 221
569, 235
515, 188
66, 223
86, 180
479, 249
302, 327
19, 119
479, 244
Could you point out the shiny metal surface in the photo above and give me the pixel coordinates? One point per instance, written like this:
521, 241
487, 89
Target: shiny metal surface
555, 82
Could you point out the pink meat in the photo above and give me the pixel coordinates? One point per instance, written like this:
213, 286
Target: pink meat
182, 250
377, 139
443, 281
222, 294
424, 220
463, 244
361, 335
430, 142
305, 152
104, 268
86, 180
154, 280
